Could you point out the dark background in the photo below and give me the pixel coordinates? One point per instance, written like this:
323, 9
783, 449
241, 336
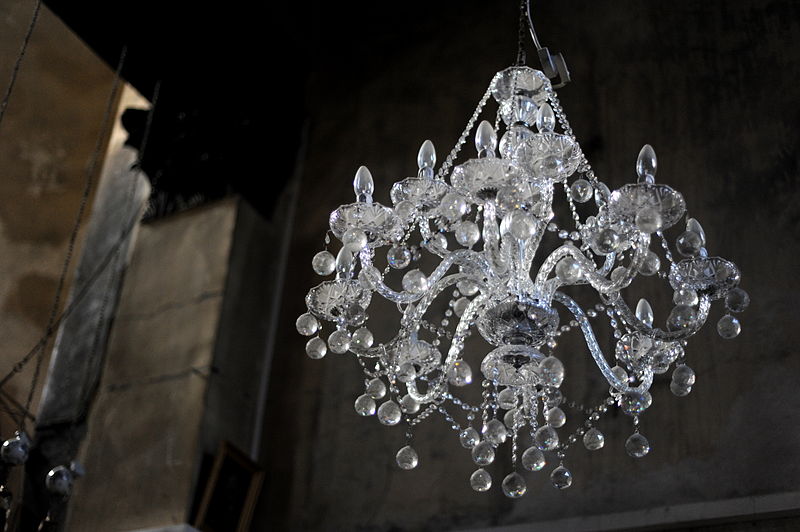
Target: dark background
313, 90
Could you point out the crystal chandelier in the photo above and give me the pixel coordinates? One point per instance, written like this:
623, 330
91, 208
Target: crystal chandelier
472, 252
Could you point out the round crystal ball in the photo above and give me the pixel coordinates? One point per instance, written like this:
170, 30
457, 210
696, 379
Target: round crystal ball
607, 241
398, 257
409, 405
737, 300
389, 413
568, 270
376, 389
551, 371
469, 438
681, 317
650, 264
507, 399
316, 348
634, 403
593, 439
581, 191
407, 458
307, 324
415, 282
365, 405
483, 453
467, 233
514, 485
362, 338
495, 432
561, 477
339, 341
685, 296
323, 263
546, 438
637, 445
555, 417
460, 374
683, 375
728, 327
533, 459
480, 480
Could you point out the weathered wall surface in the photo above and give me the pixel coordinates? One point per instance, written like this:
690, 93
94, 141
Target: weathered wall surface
712, 86
46, 139
144, 443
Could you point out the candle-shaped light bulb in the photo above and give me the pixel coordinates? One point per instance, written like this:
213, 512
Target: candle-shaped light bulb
485, 139
645, 312
426, 157
646, 164
363, 185
545, 119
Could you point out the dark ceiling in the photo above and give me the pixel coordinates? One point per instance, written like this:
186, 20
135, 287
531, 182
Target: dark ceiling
236, 80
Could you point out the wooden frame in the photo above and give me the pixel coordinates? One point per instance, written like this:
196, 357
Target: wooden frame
231, 492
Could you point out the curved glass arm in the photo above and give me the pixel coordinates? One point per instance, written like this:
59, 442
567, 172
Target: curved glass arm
590, 274
624, 311
457, 345
461, 257
597, 352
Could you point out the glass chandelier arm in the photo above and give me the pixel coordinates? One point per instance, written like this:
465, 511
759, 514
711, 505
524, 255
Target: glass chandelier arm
590, 274
437, 386
461, 257
597, 353
624, 311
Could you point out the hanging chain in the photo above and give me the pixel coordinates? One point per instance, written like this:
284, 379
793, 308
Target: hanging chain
448, 163
523, 21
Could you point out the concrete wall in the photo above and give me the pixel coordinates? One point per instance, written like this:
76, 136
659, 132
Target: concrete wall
712, 85
143, 446
46, 139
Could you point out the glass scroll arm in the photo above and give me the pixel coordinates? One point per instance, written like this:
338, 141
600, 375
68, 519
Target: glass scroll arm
597, 352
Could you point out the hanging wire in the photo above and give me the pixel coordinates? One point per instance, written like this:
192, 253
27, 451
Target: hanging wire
15, 71
87, 188
523, 20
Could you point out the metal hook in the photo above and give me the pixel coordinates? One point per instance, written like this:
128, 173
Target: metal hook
553, 65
